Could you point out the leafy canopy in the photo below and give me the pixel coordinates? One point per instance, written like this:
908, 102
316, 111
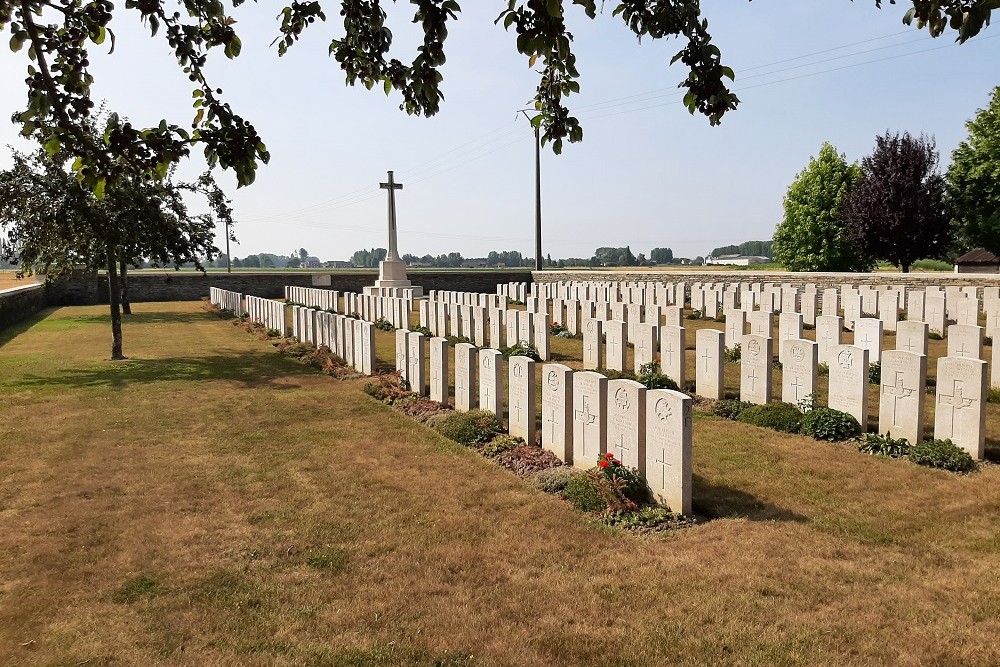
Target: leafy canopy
974, 180
812, 236
898, 211
56, 36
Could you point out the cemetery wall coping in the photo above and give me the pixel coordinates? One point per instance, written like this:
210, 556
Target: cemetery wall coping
19, 303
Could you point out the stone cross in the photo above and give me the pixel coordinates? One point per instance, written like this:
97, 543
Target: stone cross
392, 186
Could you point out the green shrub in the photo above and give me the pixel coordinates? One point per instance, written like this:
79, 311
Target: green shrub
383, 324
555, 329
626, 483
932, 265
693, 315
783, 417
875, 373
730, 408
554, 480
654, 379
993, 395
424, 330
733, 354
877, 444
934, 335
273, 333
584, 493
943, 454
988, 341
501, 444
470, 428
829, 424
823, 370
651, 518
613, 374
521, 349
455, 340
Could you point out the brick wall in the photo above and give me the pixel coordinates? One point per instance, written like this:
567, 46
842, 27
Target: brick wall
20, 303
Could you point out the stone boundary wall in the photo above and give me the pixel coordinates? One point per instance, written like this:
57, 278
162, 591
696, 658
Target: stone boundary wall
20, 303
821, 280
191, 286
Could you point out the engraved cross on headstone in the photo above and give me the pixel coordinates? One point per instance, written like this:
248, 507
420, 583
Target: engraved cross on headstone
620, 446
955, 401
586, 418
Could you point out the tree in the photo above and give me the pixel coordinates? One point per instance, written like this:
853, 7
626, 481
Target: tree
293, 262
53, 226
266, 262
973, 179
59, 35
897, 211
303, 255
812, 236
251, 261
237, 263
661, 255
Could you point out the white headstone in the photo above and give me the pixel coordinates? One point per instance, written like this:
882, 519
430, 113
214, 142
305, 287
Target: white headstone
709, 378
960, 410
828, 335
593, 352
901, 395
672, 354
668, 448
798, 371
627, 423
789, 328
466, 387
736, 323
557, 411
756, 353
491, 382
911, 336
849, 382
590, 399
965, 340
439, 370
868, 336
644, 351
521, 402
615, 348
416, 356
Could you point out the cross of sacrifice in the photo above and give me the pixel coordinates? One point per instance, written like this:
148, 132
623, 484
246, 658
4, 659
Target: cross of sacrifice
392, 186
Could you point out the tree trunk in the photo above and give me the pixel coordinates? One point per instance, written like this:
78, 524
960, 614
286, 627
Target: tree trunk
114, 296
123, 276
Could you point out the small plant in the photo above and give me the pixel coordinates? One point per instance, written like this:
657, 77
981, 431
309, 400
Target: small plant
333, 558
934, 335
776, 365
555, 329
383, 324
455, 340
942, 454
471, 428
419, 329
988, 341
388, 388
829, 424
823, 370
808, 327
875, 373
526, 460
521, 349
901, 317
514, 302
730, 408
584, 493
993, 395
783, 417
501, 444
554, 480
654, 379
877, 444
273, 333
626, 480
733, 354
870, 316
693, 315
649, 519
807, 404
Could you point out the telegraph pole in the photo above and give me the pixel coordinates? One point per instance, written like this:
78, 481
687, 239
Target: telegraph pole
229, 257
538, 194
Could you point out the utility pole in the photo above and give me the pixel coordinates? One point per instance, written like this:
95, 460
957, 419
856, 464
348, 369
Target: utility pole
538, 194
229, 257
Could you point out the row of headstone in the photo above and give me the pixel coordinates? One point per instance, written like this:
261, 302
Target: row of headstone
482, 326
268, 312
481, 299
584, 415
323, 299
351, 339
226, 300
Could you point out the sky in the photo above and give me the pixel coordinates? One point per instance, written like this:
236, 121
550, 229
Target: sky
648, 174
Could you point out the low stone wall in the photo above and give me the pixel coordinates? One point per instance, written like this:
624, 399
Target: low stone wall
191, 286
821, 280
20, 303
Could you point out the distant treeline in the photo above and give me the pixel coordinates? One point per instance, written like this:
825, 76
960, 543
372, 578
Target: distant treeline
751, 248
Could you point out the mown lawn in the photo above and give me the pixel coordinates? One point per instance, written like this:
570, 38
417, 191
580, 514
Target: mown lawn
209, 502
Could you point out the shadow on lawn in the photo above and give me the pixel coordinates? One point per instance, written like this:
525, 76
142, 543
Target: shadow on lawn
253, 370
992, 452
15, 330
154, 317
723, 502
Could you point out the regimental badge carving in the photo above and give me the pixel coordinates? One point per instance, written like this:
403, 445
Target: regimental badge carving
553, 380
518, 370
621, 398
846, 359
753, 347
662, 410
798, 354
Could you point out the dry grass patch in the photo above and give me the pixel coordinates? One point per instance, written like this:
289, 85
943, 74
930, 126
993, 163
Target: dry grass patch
255, 512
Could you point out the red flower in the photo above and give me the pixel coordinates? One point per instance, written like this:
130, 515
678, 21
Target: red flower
603, 463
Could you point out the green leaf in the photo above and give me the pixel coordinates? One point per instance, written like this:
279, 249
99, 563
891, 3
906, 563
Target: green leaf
52, 145
99, 188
